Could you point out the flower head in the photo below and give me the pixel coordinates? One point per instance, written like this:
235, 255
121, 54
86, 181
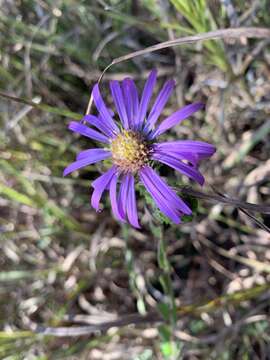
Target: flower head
131, 144
130, 151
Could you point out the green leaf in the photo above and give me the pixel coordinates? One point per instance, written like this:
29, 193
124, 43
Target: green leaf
16, 196
169, 349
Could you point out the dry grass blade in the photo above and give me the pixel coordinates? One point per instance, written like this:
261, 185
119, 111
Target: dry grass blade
257, 265
236, 33
153, 317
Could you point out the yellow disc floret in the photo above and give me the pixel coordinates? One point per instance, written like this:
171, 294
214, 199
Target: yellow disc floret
129, 151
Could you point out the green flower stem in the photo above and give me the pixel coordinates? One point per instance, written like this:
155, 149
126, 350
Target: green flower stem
170, 346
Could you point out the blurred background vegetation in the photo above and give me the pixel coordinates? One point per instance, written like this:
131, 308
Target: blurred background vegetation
59, 259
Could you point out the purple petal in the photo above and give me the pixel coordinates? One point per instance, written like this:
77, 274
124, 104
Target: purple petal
113, 197
99, 185
86, 131
159, 200
131, 100
119, 102
104, 112
127, 201
193, 158
145, 98
159, 104
93, 153
131, 203
94, 156
178, 165
122, 195
200, 148
165, 198
101, 125
171, 195
175, 118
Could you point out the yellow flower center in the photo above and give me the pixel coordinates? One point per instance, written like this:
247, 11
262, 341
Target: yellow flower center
129, 151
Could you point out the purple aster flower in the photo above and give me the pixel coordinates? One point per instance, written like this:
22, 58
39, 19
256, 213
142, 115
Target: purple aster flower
131, 144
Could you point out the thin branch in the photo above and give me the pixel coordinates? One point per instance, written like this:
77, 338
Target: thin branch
264, 209
257, 221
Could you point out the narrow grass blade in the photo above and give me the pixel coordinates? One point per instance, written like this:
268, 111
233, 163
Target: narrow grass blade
16, 196
43, 107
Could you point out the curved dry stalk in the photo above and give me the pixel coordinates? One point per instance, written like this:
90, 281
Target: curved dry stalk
236, 33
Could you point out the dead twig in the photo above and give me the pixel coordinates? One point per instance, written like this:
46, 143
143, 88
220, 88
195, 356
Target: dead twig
264, 209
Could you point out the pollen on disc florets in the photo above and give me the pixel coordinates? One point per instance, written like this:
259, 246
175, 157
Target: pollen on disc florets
130, 151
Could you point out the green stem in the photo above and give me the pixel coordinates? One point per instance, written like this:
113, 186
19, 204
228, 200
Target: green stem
170, 315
